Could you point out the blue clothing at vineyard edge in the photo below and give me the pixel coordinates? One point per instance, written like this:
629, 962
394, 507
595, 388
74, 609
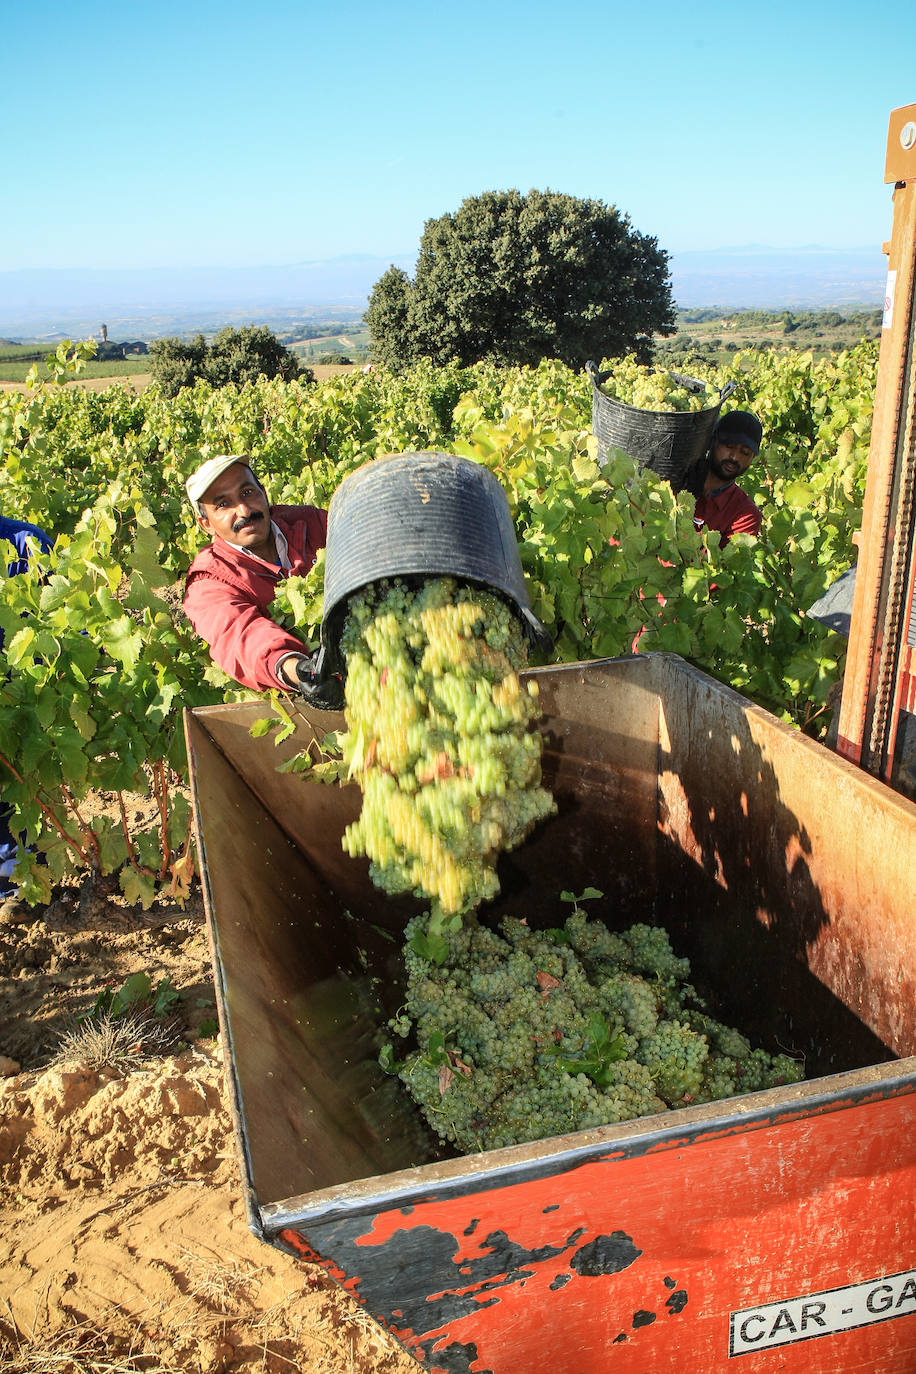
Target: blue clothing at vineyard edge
21, 535
18, 533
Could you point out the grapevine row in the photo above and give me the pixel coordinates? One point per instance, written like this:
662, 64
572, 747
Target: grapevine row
101, 661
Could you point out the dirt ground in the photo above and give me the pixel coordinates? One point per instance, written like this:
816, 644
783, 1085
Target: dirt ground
136, 380
123, 1239
139, 380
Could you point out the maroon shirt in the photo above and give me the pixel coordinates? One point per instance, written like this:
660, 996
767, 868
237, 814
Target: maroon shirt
729, 510
228, 592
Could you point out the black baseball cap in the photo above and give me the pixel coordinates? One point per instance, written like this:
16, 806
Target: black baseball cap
740, 427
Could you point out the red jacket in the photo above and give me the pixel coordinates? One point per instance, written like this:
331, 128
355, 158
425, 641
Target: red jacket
227, 593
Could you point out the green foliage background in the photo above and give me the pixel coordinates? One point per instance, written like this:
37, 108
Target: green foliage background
235, 355
100, 660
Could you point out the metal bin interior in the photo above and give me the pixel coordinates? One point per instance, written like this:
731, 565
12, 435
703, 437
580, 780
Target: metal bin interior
782, 872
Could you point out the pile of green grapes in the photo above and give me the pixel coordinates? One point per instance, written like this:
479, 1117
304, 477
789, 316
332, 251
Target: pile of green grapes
527, 1034
520, 1035
439, 738
648, 388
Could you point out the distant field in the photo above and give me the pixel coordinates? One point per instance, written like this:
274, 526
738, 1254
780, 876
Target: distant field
138, 380
353, 342
17, 371
703, 337
16, 360
716, 338
323, 371
19, 352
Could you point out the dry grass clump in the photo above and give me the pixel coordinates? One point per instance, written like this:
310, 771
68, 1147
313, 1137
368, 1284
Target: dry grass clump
218, 1326
221, 1309
80, 1349
112, 1042
224, 1285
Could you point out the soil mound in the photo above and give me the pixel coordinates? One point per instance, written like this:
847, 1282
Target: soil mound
123, 1239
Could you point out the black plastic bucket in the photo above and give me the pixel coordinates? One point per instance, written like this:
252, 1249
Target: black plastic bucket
668, 442
425, 515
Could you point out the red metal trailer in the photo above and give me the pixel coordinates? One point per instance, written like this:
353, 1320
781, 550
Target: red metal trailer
777, 1229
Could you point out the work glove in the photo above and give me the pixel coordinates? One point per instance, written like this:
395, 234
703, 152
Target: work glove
319, 685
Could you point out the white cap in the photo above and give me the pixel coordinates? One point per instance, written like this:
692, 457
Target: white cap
204, 476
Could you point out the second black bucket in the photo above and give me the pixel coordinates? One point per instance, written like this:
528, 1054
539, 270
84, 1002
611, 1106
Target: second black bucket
668, 442
423, 514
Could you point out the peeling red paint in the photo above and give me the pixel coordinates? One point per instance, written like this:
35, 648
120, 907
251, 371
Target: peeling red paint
648, 1255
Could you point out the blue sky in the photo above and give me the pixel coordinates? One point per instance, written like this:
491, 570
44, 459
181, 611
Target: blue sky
201, 133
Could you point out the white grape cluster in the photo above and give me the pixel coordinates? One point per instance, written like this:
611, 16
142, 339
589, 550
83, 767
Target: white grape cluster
439, 739
647, 388
540, 1033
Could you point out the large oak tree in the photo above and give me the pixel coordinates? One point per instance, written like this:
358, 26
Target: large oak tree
518, 278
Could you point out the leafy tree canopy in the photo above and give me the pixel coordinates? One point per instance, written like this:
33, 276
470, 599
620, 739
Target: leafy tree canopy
236, 355
176, 364
517, 278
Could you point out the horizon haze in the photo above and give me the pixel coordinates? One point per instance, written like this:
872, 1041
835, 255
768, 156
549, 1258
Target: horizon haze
60, 302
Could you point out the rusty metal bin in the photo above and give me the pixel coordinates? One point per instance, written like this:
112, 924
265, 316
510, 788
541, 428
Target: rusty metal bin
777, 1229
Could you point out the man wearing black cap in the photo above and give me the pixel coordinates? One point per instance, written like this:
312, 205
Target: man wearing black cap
721, 504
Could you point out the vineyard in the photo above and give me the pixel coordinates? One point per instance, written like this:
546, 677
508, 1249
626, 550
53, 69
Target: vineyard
101, 661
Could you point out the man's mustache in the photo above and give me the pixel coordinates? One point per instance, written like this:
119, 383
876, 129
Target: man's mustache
248, 520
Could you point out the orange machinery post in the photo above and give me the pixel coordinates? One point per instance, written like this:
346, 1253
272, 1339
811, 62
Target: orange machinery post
877, 724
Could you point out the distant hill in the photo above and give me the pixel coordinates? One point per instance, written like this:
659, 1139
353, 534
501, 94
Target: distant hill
47, 303
154, 302
777, 279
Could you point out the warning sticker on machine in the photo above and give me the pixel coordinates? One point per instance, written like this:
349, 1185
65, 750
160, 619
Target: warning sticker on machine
888, 317
822, 1314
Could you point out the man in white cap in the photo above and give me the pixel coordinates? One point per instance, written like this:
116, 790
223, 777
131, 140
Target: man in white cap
231, 583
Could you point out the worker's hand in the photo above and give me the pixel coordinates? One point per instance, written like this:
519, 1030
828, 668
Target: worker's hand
316, 685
